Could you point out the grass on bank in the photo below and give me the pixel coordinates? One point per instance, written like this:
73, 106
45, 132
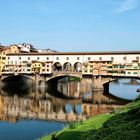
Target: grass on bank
75, 130
123, 124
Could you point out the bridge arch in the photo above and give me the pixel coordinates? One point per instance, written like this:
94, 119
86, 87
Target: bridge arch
15, 77
63, 75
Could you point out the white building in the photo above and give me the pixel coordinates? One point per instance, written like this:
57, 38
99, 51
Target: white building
24, 47
73, 57
71, 60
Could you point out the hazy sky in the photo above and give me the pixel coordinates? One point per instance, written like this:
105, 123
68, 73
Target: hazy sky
71, 25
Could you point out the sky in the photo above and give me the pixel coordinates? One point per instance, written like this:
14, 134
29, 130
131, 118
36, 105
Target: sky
71, 25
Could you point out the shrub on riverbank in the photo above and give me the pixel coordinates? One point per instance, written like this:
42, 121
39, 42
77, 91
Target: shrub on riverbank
122, 126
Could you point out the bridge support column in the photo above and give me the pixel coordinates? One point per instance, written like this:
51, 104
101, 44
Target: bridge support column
97, 83
40, 80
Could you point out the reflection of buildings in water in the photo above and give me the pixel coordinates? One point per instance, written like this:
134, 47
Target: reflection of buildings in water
127, 81
70, 89
41, 105
74, 88
44, 109
94, 109
132, 82
85, 85
15, 107
98, 102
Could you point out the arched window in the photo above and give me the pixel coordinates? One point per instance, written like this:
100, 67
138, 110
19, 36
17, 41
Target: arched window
57, 66
67, 66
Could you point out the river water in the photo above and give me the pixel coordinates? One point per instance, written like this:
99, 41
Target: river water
39, 112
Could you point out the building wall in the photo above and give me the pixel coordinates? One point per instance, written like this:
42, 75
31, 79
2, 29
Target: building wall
118, 58
95, 64
14, 49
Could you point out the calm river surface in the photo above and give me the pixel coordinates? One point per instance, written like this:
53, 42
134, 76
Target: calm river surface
37, 113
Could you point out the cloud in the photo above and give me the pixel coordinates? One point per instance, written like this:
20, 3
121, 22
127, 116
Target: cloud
126, 5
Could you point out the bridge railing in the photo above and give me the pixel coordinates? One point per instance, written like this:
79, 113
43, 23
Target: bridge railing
55, 73
76, 73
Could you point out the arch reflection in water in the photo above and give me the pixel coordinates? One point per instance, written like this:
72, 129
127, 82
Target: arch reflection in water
38, 104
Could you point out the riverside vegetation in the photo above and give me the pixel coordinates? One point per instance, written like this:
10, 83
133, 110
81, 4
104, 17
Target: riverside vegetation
122, 124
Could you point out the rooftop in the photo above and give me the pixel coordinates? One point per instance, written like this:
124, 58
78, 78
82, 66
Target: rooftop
81, 53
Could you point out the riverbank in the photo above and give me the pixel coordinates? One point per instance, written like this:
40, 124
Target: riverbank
123, 123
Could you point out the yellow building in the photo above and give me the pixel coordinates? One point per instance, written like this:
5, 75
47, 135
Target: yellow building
42, 67
3, 52
14, 49
3, 59
36, 66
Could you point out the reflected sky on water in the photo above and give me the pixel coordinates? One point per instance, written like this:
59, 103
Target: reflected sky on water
125, 88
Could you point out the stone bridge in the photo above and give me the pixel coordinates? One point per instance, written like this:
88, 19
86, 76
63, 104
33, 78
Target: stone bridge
97, 81
64, 74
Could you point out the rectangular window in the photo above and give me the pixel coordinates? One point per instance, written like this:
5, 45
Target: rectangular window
100, 58
28, 65
3, 58
28, 58
88, 58
91, 70
57, 58
124, 58
37, 58
8, 58
11, 62
137, 58
135, 73
108, 62
109, 67
121, 66
112, 58
67, 58
116, 66
47, 58
135, 67
78, 58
